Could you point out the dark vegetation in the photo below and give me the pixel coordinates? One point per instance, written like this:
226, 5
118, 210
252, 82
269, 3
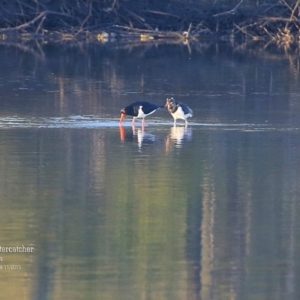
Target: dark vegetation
194, 20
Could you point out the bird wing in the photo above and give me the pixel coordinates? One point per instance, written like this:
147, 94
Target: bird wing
186, 109
150, 107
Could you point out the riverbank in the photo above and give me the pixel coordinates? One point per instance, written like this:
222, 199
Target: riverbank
179, 21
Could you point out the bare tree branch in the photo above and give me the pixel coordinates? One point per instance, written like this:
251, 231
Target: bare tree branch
229, 12
32, 22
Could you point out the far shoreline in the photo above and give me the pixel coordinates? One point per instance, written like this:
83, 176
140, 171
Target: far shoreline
187, 22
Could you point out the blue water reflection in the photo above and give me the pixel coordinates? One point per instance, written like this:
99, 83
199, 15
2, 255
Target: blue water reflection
179, 135
138, 135
207, 211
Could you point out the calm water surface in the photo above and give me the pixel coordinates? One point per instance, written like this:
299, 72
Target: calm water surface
208, 211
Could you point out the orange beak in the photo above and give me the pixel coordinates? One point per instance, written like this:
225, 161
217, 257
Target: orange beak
122, 117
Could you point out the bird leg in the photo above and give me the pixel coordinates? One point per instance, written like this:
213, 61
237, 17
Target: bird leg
143, 124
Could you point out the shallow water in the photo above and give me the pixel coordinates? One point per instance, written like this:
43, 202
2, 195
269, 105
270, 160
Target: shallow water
207, 211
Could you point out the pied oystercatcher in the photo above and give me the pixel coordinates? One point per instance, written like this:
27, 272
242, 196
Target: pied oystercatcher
178, 110
139, 109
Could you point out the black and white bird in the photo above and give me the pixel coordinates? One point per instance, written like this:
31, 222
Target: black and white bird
139, 109
178, 110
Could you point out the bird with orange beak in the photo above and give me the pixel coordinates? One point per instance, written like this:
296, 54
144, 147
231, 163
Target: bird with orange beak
178, 110
139, 109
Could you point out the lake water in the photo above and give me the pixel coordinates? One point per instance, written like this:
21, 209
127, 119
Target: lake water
207, 211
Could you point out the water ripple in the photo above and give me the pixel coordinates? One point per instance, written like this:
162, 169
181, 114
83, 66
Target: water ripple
79, 121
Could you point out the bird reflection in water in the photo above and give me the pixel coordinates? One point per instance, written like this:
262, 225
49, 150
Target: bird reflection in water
177, 136
139, 135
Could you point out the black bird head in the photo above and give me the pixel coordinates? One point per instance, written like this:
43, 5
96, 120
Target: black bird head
130, 110
171, 104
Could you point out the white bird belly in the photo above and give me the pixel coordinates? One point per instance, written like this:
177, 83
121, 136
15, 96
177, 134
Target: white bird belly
179, 114
141, 113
